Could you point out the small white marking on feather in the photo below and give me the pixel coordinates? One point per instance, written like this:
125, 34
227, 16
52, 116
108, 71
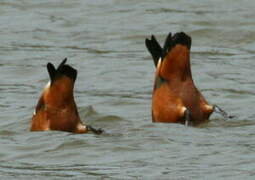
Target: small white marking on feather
158, 66
183, 109
82, 127
47, 85
208, 107
183, 113
159, 62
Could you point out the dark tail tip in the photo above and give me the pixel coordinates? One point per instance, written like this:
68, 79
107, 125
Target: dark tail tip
62, 63
181, 38
171, 41
52, 71
177, 38
62, 69
154, 48
67, 71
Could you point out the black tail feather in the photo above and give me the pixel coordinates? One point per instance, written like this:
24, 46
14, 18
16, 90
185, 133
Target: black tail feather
167, 44
62, 69
67, 71
181, 38
62, 63
170, 42
154, 48
52, 71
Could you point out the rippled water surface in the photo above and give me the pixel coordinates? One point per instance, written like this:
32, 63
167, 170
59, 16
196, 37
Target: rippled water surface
104, 41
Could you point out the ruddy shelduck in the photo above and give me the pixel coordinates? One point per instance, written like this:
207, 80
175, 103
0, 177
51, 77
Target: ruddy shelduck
56, 108
175, 97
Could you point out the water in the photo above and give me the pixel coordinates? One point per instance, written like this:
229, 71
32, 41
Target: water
104, 41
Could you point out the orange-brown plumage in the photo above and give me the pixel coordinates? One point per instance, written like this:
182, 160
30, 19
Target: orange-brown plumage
56, 108
174, 92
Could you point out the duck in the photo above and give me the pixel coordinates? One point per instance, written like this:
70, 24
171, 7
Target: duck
56, 108
175, 97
